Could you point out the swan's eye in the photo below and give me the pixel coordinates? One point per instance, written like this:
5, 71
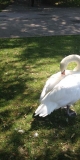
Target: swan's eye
63, 72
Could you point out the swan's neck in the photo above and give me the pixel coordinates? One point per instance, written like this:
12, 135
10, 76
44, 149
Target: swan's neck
75, 58
77, 68
71, 58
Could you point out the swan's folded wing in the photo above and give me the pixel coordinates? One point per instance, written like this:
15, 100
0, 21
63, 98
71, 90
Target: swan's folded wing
51, 83
67, 90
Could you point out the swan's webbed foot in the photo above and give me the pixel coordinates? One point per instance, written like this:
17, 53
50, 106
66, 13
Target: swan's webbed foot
70, 112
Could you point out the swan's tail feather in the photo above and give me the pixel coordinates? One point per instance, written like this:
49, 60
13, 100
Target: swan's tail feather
38, 110
44, 110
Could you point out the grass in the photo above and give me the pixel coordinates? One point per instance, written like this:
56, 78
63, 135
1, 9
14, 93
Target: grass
25, 64
4, 4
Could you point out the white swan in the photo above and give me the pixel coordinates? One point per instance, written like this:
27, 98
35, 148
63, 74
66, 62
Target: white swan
56, 78
65, 92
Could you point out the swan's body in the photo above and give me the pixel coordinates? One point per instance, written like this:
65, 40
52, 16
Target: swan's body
51, 83
56, 78
66, 92
60, 90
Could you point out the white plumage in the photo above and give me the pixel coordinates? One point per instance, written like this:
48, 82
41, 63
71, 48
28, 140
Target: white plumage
63, 91
56, 78
66, 92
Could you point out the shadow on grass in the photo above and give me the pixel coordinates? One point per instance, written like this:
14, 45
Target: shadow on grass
59, 121
67, 155
57, 130
62, 132
14, 150
16, 69
19, 95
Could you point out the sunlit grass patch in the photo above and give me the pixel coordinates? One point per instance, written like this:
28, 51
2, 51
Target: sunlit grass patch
25, 65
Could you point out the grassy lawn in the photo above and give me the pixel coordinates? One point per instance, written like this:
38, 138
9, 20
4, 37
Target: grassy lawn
4, 3
25, 65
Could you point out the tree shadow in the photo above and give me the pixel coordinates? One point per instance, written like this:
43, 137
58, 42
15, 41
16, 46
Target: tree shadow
63, 155
15, 150
61, 126
63, 129
57, 119
67, 128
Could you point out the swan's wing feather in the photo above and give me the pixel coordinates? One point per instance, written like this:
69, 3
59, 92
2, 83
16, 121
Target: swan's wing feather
51, 83
66, 91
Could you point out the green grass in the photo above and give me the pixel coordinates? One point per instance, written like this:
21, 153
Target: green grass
25, 65
4, 3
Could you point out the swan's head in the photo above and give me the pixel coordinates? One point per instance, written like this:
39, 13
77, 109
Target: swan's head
62, 67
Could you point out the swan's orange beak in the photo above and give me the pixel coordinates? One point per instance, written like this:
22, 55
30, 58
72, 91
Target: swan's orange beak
63, 72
